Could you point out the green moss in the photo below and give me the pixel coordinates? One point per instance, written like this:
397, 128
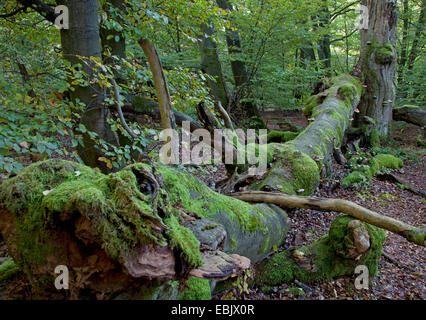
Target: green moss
374, 166
184, 240
296, 291
210, 226
199, 289
196, 197
295, 170
23, 196
310, 105
281, 136
265, 245
362, 173
348, 91
325, 258
374, 139
384, 54
266, 289
389, 161
123, 217
8, 270
234, 244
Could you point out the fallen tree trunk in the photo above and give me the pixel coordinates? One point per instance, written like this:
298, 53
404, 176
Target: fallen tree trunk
413, 234
149, 225
410, 114
298, 163
123, 231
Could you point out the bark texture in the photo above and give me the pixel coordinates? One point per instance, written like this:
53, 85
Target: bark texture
378, 63
410, 114
82, 39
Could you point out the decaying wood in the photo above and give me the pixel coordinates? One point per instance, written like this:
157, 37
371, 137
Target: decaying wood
151, 262
220, 266
225, 116
413, 234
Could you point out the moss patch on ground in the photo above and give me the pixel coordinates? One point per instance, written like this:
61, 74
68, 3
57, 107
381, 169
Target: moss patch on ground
363, 169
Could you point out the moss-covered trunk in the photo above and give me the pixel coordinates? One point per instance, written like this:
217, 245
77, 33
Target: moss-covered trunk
299, 162
134, 232
117, 233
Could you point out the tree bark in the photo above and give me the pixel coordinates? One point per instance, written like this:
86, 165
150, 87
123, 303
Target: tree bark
404, 42
82, 39
417, 38
378, 64
161, 87
211, 65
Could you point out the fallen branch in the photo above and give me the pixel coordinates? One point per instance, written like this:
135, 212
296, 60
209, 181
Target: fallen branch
410, 233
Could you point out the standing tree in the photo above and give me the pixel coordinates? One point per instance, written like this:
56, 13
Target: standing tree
378, 64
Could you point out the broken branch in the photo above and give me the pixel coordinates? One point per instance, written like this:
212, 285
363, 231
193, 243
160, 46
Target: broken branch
407, 231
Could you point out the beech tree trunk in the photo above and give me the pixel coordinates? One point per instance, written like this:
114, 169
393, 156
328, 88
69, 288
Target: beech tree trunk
82, 38
160, 83
211, 65
378, 64
417, 38
246, 110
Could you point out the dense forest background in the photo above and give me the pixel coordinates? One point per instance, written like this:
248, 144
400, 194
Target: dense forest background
284, 48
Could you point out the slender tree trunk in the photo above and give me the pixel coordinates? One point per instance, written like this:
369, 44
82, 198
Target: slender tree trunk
418, 36
378, 64
234, 48
82, 39
324, 51
211, 65
404, 43
241, 78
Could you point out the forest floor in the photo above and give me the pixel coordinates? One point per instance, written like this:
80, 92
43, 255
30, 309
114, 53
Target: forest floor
401, 268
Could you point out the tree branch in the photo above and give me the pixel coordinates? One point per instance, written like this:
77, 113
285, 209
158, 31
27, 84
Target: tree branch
413, 234
40, 7
13, 13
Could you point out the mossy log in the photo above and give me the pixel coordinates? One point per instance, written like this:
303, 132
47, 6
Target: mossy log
130, 230
410, 114
111, 229
299, 162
